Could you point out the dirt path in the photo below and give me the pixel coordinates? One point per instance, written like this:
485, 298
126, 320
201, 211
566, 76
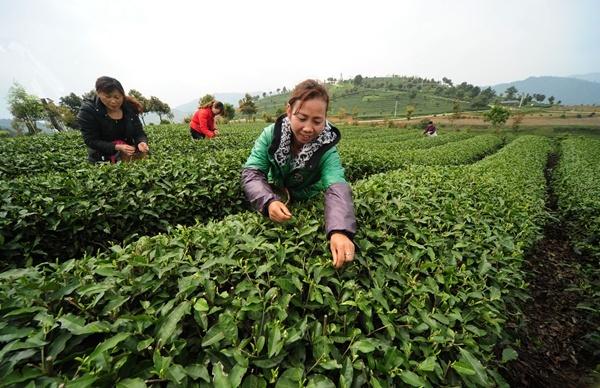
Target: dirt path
468, 120
553, 352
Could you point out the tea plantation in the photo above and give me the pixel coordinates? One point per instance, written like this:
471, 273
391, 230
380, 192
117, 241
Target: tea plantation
158, 273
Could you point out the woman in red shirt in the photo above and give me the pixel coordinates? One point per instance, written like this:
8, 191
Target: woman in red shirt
203, 122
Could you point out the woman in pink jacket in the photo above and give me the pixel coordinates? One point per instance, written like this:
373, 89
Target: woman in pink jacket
203, 122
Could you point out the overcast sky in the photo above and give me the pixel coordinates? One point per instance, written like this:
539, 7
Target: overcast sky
180, 50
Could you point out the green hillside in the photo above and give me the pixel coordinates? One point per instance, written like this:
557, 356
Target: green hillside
389, 97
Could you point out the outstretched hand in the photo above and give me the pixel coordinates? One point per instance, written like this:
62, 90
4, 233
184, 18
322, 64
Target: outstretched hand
143, 147
342, 249
278, 212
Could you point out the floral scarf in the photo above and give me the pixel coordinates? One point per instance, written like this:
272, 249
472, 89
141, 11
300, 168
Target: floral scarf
284, 151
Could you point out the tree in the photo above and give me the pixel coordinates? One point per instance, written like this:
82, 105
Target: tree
26, 108
264, 94
510, 93
474, 91
17, 125
484, 98
68, 117
53, 114
551, 100
539, 97
358, 80
247, 106
68, 108
72, 102
410, 109
160, 108
497, 115
228, 111
447, 81
527, 99
284, 90
89, 95
206, 99
412, 94
455, 112
517, 118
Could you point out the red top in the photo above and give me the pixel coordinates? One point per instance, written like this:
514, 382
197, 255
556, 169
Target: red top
203, 122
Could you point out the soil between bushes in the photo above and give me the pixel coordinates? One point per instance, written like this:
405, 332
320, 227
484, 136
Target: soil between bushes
552, 335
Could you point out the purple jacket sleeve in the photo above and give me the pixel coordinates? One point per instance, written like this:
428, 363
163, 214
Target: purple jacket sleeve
339, 210
257, 189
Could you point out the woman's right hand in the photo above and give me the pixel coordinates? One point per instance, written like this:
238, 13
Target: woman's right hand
126, 149
278, 212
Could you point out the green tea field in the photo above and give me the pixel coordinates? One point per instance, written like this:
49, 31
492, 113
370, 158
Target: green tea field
158, 273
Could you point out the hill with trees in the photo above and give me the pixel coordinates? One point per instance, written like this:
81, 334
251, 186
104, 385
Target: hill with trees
389, 97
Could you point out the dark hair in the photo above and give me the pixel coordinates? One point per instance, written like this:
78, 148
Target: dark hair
106, 84
214, 104
430, 122
307, 90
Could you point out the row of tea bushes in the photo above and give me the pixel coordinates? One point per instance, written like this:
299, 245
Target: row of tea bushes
244, 302
361, 163
577, 187
65, 152
64, 214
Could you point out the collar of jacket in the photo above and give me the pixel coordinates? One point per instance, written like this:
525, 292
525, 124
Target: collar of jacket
314, 160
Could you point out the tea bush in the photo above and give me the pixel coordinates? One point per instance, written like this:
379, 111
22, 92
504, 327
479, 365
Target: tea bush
245, 302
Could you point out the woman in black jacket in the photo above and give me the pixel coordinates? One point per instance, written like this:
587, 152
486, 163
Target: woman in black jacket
110, 124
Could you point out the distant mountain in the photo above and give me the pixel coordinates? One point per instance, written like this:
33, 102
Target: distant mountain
6, 124
571, 91
594, 77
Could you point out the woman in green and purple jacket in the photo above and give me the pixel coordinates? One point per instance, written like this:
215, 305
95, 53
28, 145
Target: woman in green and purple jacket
298, 154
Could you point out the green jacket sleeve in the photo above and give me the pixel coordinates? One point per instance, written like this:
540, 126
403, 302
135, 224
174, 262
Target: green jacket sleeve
259, 156
331, 168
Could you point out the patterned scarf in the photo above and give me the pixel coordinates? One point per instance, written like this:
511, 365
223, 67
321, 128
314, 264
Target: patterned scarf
284, 152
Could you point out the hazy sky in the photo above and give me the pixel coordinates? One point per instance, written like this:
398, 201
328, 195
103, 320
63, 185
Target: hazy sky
180, 50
